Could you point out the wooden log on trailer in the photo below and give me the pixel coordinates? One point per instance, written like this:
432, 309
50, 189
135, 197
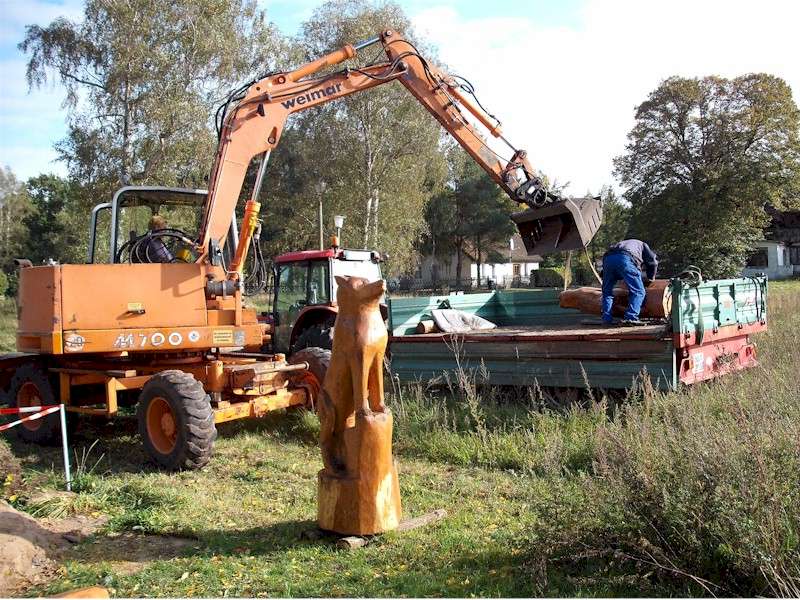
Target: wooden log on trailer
426, 326
657, 303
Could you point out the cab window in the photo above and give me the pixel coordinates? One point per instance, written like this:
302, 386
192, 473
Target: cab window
318, 283
367, 269
289, 301
292, 286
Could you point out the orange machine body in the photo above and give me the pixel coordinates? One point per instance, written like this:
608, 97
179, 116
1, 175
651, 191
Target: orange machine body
116, 308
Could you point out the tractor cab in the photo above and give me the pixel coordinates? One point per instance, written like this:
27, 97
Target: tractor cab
304, 307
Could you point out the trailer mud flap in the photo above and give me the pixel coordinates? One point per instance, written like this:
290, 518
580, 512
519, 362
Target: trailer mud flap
568, 224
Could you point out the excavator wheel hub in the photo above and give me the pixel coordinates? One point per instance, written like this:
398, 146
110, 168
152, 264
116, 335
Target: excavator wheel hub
168, 424
161, 427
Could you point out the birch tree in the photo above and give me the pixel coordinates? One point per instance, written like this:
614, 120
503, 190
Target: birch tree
142, 78
377, 150
15, 205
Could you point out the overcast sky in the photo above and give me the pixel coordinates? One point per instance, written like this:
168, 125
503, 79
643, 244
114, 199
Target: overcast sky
563, 76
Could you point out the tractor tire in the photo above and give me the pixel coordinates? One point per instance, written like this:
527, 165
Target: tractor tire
176, 422
319, 360
316, 336
30, 386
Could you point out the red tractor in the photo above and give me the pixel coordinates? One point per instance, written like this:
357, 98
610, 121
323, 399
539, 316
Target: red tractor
304, 307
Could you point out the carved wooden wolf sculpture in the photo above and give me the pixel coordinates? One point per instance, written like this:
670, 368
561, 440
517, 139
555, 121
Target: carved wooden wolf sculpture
358, 492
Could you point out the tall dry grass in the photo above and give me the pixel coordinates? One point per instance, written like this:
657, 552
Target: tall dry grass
708, 480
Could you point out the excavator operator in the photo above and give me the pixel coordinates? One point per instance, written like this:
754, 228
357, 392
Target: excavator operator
157, 251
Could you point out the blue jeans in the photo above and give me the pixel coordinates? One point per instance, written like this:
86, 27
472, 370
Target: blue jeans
621, 266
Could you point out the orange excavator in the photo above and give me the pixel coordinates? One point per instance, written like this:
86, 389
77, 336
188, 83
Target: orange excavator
163, 326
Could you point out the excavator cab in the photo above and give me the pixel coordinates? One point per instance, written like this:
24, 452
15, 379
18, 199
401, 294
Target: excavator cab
119, 229
553, 224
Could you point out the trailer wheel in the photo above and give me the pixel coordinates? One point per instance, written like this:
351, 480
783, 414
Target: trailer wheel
319, 360
176, 422
30, 386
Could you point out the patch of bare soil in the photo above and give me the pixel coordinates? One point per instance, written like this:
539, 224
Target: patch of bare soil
131, 552
27, 550
31, 549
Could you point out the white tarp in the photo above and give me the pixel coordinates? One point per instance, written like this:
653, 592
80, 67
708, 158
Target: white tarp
457, 321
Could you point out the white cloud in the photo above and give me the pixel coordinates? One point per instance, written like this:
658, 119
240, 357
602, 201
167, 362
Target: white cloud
567, 95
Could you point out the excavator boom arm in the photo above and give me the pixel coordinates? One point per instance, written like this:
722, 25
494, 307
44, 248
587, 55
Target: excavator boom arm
254, 126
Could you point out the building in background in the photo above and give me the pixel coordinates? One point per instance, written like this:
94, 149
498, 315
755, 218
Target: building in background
503, 267
511, 266
778, 254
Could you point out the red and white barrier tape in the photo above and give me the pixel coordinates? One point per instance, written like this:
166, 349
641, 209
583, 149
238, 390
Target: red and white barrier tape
25, 409
41, 411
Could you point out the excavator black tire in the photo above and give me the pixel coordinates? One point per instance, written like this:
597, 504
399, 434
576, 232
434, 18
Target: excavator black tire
30, 386
316, 336
176, 421
319, 360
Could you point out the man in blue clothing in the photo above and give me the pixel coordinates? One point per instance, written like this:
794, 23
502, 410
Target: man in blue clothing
625, 260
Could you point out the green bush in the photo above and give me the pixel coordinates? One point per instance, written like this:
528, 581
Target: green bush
549, 278
3, 283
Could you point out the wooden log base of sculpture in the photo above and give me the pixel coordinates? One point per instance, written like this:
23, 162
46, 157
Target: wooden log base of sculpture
657, 303
365, 499
358, 488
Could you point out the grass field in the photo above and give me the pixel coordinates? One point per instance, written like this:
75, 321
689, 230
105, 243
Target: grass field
689, 493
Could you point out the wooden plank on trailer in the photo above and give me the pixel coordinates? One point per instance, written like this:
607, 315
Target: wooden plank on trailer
542, 333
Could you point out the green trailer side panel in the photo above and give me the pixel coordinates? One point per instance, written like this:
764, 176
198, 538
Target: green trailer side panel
697, 309
405, 313
520, 308
598, 364
718, 303
504, 308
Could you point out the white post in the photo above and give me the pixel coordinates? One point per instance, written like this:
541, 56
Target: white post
65, 446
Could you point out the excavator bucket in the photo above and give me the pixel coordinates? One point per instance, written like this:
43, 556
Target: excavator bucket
566, 224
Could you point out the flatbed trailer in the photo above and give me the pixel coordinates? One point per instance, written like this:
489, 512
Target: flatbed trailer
706, 335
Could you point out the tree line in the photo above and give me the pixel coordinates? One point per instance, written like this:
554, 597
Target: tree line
143, 80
